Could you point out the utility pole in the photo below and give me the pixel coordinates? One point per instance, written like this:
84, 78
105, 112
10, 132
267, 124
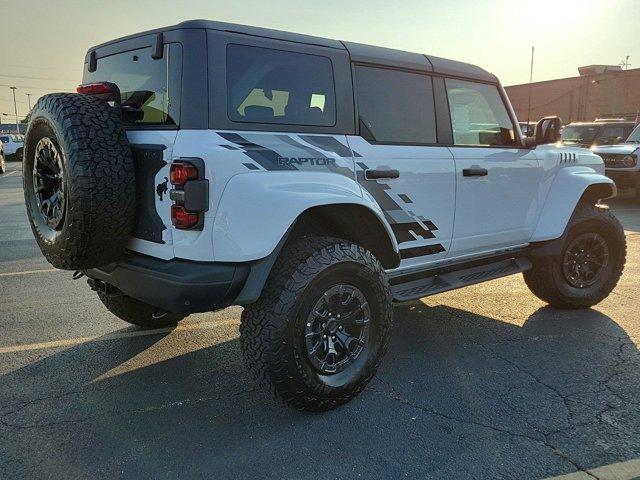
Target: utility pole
29, 99
15, 108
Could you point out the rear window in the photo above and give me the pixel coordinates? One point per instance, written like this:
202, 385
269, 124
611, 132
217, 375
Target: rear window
395, 106
281, 87
150, 89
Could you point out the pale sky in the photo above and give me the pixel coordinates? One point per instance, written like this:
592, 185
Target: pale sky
42, 43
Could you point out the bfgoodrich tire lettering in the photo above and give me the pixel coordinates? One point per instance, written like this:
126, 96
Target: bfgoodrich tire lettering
273, 329
550, 279
89, 190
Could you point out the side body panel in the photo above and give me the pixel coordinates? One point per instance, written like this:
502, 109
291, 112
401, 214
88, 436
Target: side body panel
419, 204
499, 210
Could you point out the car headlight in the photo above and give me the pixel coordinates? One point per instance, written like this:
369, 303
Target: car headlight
629, 160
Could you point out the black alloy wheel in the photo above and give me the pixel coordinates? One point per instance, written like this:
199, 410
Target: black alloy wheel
337, 329
48, 183
585, 258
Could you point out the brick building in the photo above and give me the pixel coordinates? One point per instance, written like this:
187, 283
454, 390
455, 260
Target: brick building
599, 91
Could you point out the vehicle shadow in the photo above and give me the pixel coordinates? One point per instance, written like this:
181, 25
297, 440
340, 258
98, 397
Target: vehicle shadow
455, 387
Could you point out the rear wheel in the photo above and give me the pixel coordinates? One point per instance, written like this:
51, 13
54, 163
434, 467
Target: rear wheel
138, 313
589, 266
318, 333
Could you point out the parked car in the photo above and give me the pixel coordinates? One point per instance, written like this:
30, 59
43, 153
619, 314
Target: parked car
14, 144
621, 161
601, 132
313, 182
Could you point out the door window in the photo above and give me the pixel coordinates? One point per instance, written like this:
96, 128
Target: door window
478, 115
276, 86
396, 106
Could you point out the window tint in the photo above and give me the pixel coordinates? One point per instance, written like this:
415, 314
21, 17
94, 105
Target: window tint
395, 106
478, 115
150, 88
275, 86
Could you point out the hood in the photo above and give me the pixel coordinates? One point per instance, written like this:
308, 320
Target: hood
620, 149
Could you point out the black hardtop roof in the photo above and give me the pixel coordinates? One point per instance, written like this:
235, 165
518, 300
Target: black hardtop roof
358, 52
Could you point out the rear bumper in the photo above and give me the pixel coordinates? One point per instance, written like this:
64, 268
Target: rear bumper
624, 178
178, 286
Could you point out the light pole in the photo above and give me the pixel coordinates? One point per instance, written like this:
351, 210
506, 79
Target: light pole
29, 100
15, 108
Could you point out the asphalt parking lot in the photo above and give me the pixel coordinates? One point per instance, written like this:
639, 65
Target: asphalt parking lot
484, 382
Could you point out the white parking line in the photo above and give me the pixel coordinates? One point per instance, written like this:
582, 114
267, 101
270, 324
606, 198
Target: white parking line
8, 174
616, 471
29, 272
69, 342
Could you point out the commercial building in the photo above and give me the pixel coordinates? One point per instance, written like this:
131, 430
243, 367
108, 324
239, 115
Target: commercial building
600, 91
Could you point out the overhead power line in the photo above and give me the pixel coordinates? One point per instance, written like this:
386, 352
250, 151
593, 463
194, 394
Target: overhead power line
40, 78
31, 67
33, 87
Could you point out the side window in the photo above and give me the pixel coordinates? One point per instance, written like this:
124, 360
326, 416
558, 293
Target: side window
396, 106
276, 86
478, 115
150, 88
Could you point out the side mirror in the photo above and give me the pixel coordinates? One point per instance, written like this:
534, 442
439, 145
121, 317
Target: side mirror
548, 130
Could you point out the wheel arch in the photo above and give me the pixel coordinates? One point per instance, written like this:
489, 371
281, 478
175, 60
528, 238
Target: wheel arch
570, 188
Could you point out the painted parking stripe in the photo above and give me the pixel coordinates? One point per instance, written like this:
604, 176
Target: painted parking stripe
30, 272
616, 471
70, 342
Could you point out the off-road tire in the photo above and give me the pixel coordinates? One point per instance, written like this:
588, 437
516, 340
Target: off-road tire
98, 181
3, 167
138, 313
546, 279
271, 335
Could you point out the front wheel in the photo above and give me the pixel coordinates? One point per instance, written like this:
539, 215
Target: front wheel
2, 163
318, 333
589, 266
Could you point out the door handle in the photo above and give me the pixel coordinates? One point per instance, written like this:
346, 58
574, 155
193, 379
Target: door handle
376, 174
475, 172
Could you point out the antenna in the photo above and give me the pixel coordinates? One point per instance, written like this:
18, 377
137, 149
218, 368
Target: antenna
530, 87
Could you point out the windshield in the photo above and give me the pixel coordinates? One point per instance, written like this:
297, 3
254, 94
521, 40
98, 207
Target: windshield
635, 135
4, 139
584, 134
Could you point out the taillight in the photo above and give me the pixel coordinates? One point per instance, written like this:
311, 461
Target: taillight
183, 219
93, 89
104, 90
181, 173
190, 195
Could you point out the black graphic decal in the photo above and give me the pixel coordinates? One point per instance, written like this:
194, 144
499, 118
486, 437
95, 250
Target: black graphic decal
420, 251
162, 188
266, 158
330, 144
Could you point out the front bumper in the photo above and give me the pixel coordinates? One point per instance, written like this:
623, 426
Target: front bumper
624, 178
179, 286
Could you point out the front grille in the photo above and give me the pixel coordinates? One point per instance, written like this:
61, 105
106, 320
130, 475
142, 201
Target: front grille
615, 160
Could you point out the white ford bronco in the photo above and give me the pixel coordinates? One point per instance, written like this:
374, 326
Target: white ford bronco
312, 181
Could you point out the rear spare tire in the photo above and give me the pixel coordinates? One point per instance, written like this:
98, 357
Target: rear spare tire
79, 181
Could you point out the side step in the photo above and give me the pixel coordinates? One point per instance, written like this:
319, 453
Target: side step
430, 285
